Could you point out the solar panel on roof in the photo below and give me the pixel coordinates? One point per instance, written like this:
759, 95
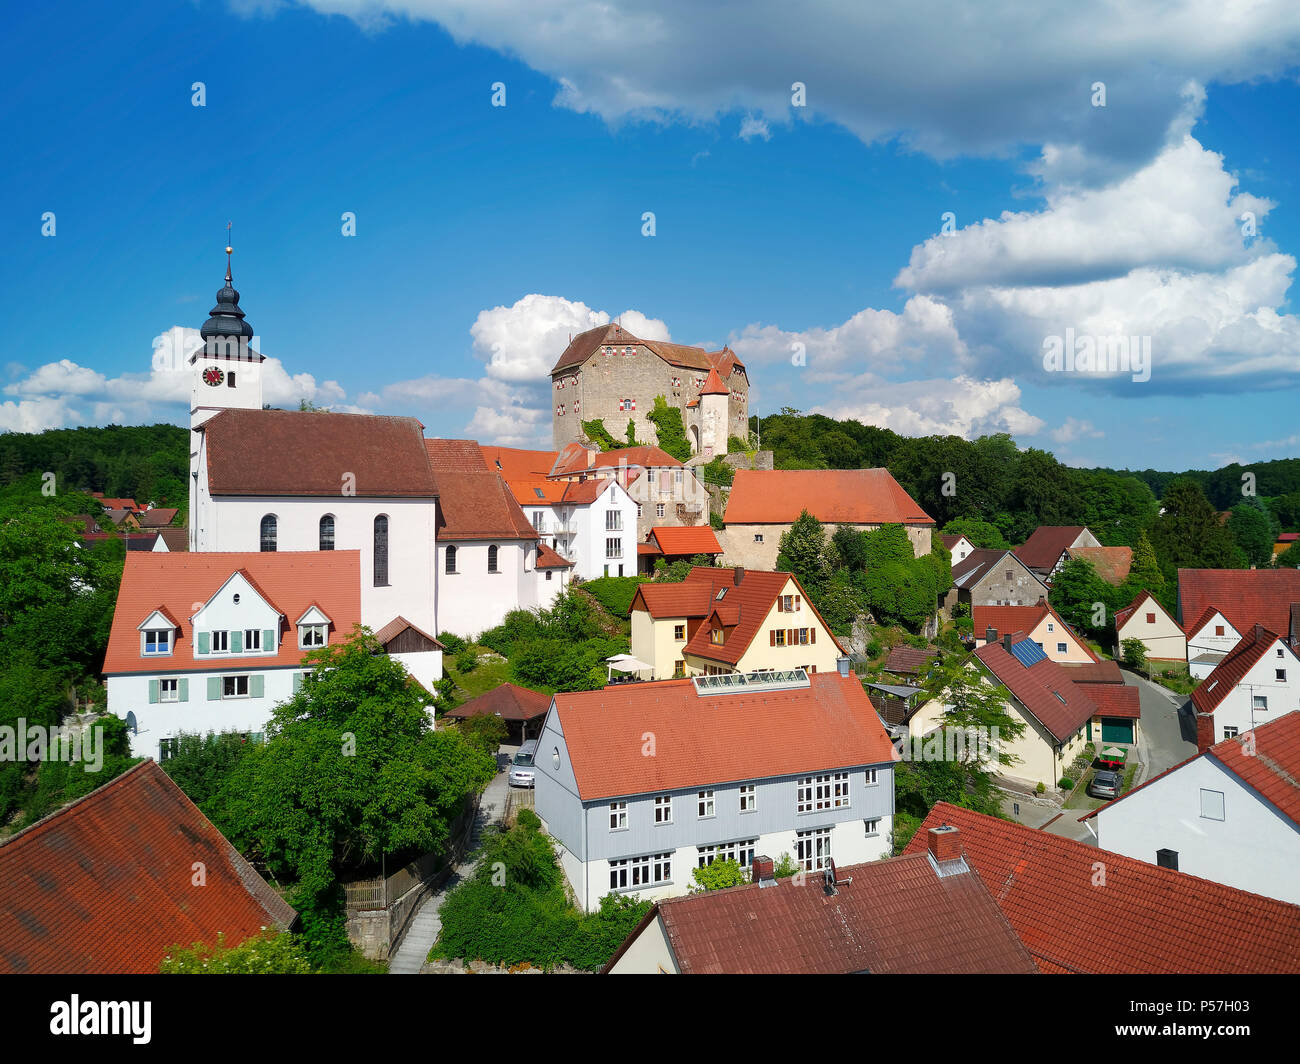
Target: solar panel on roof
1027, 652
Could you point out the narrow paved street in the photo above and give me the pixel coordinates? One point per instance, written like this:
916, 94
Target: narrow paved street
425, 925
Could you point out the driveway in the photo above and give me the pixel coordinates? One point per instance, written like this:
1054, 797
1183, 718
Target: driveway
1162, 740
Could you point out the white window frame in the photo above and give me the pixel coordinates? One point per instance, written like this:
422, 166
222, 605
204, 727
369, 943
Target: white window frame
637, 873
1213, 806
1062, 648
222, 637
741, 851
659, 509
872, 777
234, 681
814, 794
307, 630
165, 633
705, 805
748, 797
618, 816
613, 547
663, 806
613, 521
813, 848
1259, 702
253, 640
169, 694
872, 826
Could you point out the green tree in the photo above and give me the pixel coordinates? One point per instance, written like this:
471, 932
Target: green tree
981, 534
267, 953
803, 552
1077, 591
719, 875
1135, 654
1253, 528
1188, 534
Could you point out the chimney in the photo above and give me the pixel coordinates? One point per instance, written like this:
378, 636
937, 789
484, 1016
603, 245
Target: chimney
1167, 859
739, 574
763, 872
945, 843
842, 663
990, 634
1006, 641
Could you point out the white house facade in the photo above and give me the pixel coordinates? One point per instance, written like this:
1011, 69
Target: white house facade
1258, 682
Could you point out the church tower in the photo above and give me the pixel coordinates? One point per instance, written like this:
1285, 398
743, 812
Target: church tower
225, 373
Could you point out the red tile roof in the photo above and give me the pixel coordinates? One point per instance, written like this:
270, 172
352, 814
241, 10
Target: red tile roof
1232, 669
508, 701
116, 504
105, 885
848, 496
1046, 544
713, 384
1044, 688
686, 540
473, 501
159, 517
716, 738
574, 461
1246, 597
1112, 564
586, 344
1004, 619
1122, 616
181, 583
1115, 700
548, 558
890, 917
310, 453
1093, 672
950, 540
1142, 919
910, 661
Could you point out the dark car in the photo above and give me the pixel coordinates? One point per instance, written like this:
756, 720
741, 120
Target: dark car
1105, 784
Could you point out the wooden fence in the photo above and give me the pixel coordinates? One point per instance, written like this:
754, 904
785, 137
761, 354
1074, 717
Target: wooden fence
379, 892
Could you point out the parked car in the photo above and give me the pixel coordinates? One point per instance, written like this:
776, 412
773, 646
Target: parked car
521, 765
1105, 784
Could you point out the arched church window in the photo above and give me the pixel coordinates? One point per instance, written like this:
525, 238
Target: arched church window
268, 533
381, 551
327, 532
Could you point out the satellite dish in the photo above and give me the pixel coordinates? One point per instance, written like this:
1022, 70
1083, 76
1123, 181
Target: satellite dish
130, 724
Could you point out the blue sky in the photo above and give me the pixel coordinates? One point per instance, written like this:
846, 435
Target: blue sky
486, 235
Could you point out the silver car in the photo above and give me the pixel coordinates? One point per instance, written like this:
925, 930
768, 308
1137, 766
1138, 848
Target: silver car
522, 771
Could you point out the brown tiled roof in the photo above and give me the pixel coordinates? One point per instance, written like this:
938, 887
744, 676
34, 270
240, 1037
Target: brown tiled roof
106, 884
1044, 688
547, 558
177, 539
396, 627
586, 344
311, 453
1046, 544
850, 496
288, 580
1112, 564
1246, 597
890, 917
1115, 700
508, 701
716, 738
1003, 619
473, 502
950, 540
572, 462
159, 517
686, 540
1232, 669
1161, 921
910, 661
1093, 671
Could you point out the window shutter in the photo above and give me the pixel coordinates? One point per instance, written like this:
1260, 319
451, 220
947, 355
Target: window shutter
205, 639
780, 604
237, 641
268, 641
256, 686
297, 682
789, 637
772, 634
812, 635
153, 691
797, 604
183, 689
214, 687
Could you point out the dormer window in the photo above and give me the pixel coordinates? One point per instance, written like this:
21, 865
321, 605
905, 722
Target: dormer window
312, 635
158, 642
717, 636
313, 628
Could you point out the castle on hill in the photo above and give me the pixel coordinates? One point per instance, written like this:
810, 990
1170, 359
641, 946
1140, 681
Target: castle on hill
606, 374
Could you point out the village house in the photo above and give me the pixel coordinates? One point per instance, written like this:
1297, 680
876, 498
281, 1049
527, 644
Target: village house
591, 523
763, 504
665, 491
1044, 550
941, 919
1140, 919
107, 885
680, 543
1040, 623
1146, 620
958, 546
729, 620
1217, 607
1230, 814
1256, 682
642, 783
608, 375
1056, 711
993, 578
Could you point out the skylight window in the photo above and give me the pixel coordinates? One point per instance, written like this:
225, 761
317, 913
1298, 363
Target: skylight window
721, 592
539, 493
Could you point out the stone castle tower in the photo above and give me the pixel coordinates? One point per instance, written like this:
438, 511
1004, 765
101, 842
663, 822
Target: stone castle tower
606, 374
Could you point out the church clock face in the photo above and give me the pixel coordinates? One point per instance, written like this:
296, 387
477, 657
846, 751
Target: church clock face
212, 376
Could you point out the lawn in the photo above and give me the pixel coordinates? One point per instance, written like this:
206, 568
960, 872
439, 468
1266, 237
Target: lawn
491, 671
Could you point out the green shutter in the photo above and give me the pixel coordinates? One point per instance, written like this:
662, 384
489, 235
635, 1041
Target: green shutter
214, 687
153, 691
268, 641
183, 690
204, 640
297, 682
256, 686
236, 641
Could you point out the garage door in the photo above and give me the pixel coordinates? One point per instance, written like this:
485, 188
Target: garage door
1116, 730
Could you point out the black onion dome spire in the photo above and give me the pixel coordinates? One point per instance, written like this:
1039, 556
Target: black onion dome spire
226, 317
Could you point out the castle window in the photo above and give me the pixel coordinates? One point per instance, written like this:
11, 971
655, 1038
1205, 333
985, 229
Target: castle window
381, 551
327, 532
268, 533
